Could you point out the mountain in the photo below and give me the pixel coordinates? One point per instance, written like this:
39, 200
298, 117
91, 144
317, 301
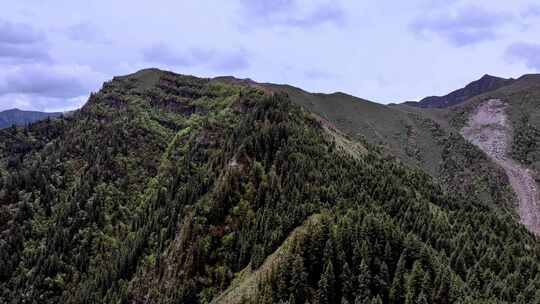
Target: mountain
485, 84
166, 188
419, 138
19, 117
523, 110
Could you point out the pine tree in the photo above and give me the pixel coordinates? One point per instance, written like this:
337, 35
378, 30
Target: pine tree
327, 285
414, 280
388, 253
382, 280
360, 300
328, 254
376, 300
427, 288
298, 279
357, 255
365, 252
443, 291
397, 291
364, 280
458, 264
266, 296
409, 297
422, 299
347, 282
283, 273
292, 299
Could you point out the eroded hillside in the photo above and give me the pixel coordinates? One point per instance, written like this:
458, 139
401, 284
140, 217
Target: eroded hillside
489, 129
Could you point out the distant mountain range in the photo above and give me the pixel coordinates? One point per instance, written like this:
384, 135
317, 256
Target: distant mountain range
485, 84
20, 117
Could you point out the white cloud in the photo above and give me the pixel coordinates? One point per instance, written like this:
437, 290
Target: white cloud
528, 53
47, 87
219, 60
40, 103
59, 81
290, 13
301, 42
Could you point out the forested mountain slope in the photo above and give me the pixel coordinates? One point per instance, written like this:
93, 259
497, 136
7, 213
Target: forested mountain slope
421, 138
166, 188
19, 117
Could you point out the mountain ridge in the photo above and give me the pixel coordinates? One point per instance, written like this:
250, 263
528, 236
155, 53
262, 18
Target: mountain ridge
21, 117
485, 84
166, 188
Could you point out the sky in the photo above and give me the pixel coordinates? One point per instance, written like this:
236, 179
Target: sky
54, 53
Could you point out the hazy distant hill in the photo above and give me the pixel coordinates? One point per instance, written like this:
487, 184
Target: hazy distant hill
19, 117
485, 84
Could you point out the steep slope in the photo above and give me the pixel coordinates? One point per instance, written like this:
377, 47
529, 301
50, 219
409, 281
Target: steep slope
409, 137
489, 130
421, 138
20, 118
519, 142
166, 188
485, 84
523, 110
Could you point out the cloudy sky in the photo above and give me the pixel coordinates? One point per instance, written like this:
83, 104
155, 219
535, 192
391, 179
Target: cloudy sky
54, 52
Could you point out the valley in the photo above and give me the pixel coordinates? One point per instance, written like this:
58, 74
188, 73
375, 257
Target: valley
489, 130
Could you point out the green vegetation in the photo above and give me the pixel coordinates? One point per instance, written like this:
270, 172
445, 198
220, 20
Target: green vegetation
525, 117
420, 138
525, 146
173, 189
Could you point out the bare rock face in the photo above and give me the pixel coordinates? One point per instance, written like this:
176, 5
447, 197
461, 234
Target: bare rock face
489, 130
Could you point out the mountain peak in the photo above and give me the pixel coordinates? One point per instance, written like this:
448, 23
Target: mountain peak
488, 76
12, 110
485, 84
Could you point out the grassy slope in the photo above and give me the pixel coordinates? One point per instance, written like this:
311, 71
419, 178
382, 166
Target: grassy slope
421, 138
245, 286
404, 135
